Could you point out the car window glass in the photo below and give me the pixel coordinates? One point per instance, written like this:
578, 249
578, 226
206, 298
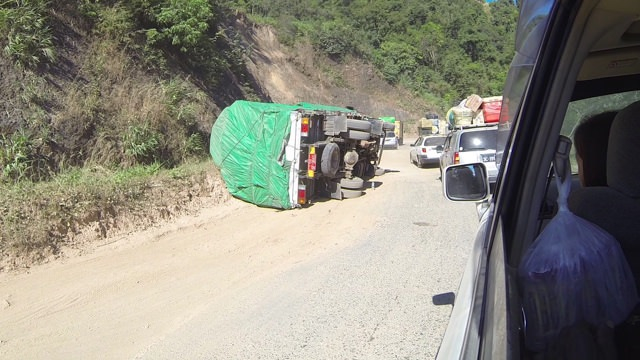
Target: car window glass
391, 134
586, 108
478, 140
532, 23
434, 141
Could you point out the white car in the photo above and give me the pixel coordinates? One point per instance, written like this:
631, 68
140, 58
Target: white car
426, 150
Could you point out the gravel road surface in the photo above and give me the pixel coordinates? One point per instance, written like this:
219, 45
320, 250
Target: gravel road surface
350, 279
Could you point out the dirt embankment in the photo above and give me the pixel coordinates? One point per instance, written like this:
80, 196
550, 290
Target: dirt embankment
286, 75
291, 75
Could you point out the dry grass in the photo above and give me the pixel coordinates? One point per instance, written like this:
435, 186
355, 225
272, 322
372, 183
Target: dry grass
38, 221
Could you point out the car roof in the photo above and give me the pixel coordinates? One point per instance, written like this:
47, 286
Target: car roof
475, 128
611, 40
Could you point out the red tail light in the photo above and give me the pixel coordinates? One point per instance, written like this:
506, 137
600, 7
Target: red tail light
302, 194
456, 158
304, 128
424, 150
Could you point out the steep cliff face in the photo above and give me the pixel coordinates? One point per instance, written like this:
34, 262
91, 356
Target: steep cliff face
291, 75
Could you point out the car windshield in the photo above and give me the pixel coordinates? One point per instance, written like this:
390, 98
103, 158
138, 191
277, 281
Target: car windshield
434, 141
478, 140
532, 23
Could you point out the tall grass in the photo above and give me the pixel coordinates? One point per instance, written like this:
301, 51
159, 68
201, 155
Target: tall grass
27, 38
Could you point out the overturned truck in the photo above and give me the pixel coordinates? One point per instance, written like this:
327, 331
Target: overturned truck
283, 156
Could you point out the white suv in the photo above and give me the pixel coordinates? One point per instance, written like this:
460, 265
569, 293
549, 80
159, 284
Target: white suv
472, 145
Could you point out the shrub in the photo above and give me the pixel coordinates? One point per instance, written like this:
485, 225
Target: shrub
23, 23
142, 143
331, 38
20, 158
194, 145
182, 23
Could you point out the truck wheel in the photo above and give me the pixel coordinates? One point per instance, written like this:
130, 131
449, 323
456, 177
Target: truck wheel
354, 183
355, 124
387, 126
351, 194
330, 161
358, 135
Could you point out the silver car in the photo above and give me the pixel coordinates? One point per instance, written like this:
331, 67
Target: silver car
471, 145
573, 60
390, 141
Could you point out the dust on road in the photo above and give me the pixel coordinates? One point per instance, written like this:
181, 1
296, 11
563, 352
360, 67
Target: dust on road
148, 288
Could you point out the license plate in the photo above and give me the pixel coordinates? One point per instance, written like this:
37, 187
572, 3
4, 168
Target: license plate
489, 158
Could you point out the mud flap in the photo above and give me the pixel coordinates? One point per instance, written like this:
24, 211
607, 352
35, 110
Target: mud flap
333, 190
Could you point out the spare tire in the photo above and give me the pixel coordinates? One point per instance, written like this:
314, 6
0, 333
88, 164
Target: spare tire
353, 183
351, 194
330, 161
355, 124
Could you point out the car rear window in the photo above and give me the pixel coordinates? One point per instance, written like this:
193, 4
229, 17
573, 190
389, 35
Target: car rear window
478, 140
434, 141
390, 134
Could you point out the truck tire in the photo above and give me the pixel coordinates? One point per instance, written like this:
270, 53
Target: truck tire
362, 125
355, 183
330, 161
358, 135
351, 194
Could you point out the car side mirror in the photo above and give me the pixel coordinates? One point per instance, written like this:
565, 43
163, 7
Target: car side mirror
466, 182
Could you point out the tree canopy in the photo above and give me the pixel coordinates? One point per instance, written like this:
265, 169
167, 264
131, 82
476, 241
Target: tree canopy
439, 49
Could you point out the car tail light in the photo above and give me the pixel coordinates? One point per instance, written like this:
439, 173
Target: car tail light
456, 158
424, 150
311, 162
304, 128
302, 194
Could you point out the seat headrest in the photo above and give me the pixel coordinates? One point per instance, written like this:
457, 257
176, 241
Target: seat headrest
623, 154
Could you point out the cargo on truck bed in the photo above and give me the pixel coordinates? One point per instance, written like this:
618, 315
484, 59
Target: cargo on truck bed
284, 156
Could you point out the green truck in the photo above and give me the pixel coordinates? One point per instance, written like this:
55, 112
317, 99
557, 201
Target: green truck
284, 156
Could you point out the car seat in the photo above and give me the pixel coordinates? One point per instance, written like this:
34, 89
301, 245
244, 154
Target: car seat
616, 207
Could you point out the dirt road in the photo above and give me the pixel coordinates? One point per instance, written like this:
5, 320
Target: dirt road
242, 282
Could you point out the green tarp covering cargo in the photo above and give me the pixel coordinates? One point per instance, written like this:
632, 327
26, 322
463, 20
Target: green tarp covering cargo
269, 154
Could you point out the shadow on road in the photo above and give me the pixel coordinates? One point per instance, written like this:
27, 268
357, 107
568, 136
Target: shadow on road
369, 185
447, 298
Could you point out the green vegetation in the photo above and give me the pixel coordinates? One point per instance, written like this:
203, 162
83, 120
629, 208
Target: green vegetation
37, 219
441, 50
28, 37
101, 97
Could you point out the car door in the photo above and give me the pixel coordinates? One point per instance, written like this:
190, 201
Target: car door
529, 134
415, 151
486, 320
446, 152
